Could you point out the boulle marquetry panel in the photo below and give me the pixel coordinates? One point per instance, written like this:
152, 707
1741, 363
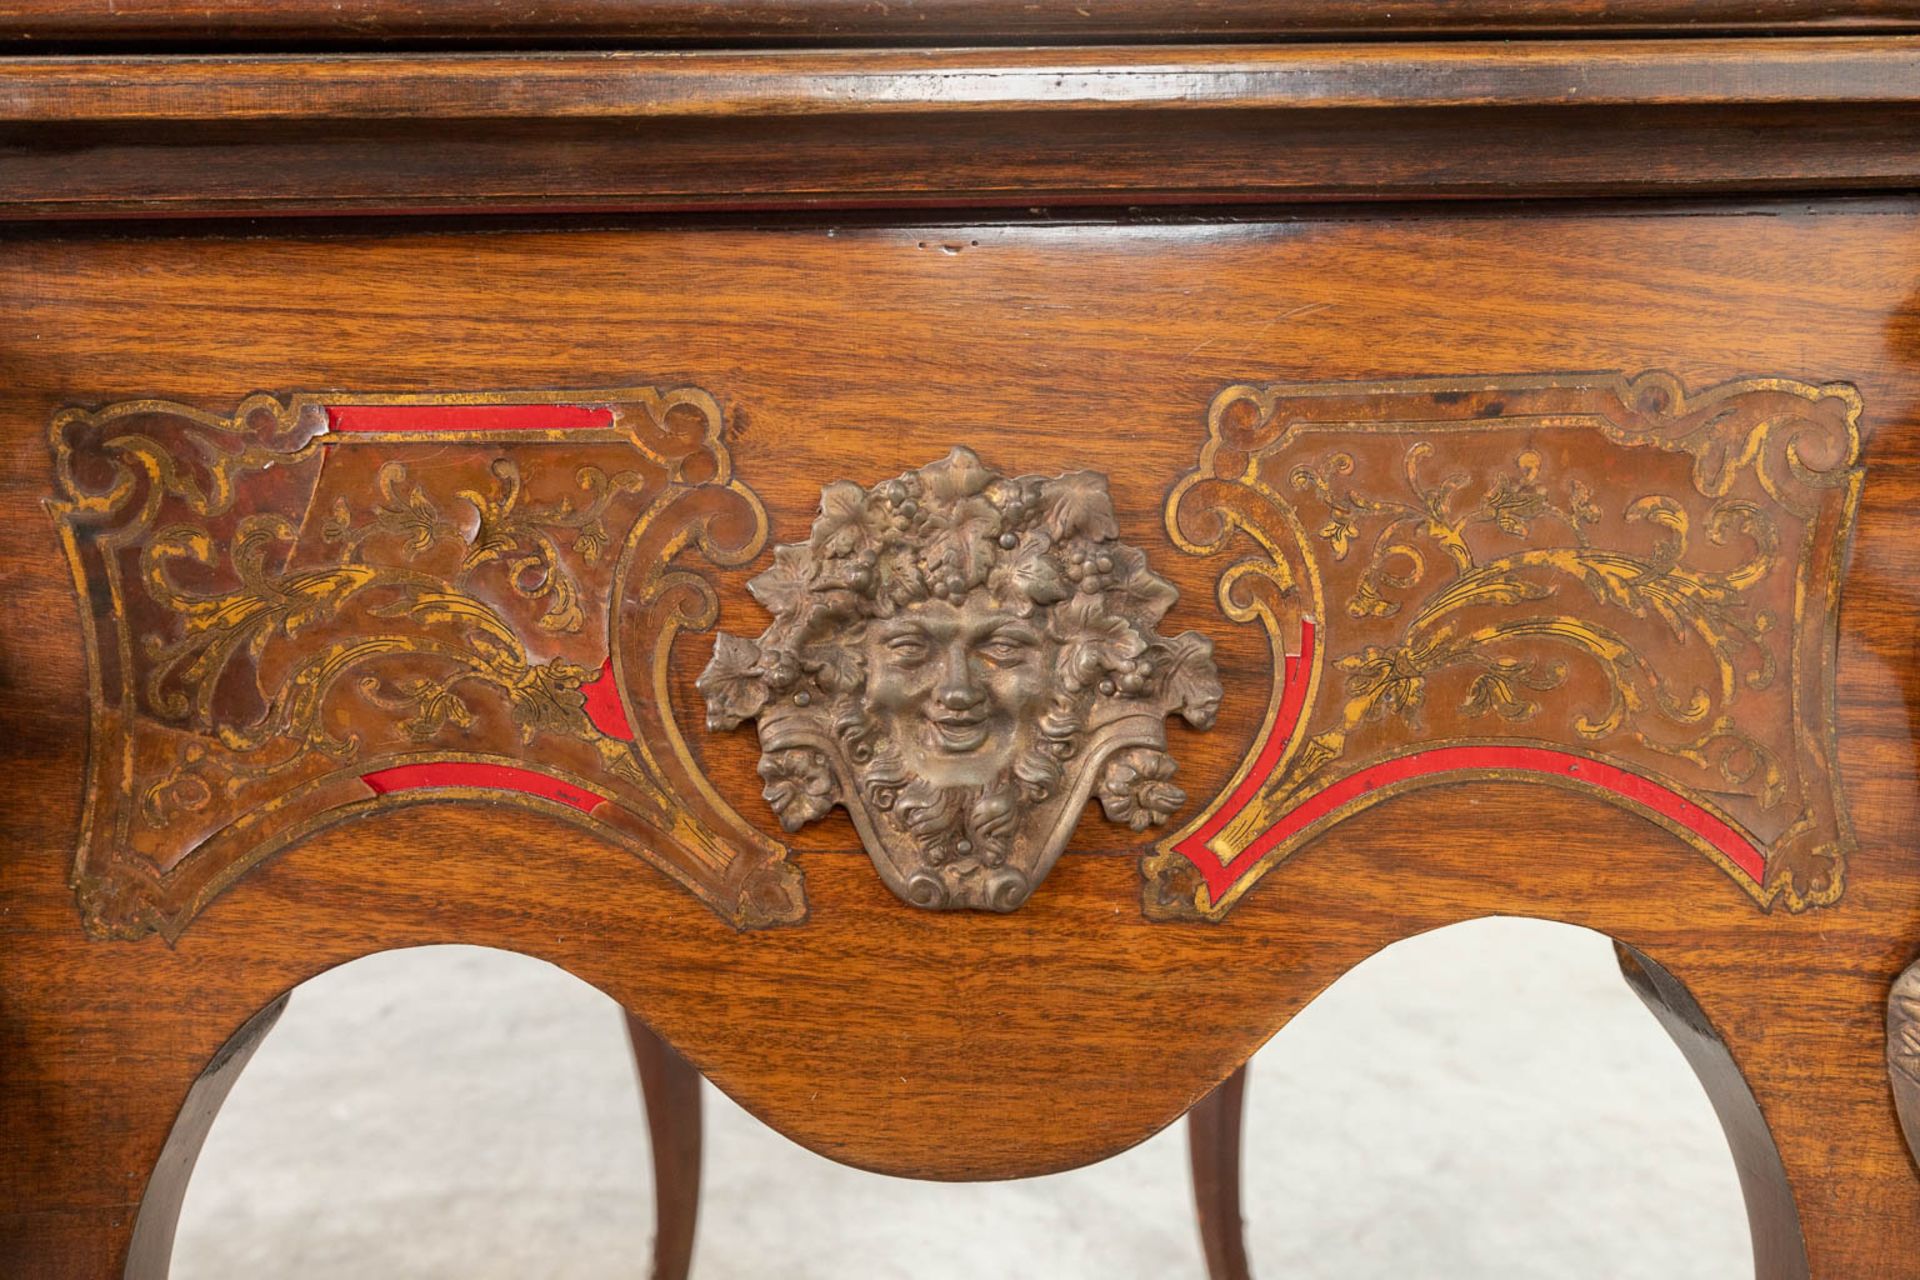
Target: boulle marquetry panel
1604, 583
322, 605
325, 605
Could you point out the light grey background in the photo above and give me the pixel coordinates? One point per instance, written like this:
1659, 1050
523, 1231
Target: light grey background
1488, 1101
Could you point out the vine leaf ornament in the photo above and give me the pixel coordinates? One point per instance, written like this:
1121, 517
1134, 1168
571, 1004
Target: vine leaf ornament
1598, 582
1903, 1052
963, 659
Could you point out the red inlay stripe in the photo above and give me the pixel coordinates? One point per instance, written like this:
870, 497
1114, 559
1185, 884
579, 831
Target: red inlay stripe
346, 419
1541, 760
1432, 764
1293, 698
500, 777
603, 705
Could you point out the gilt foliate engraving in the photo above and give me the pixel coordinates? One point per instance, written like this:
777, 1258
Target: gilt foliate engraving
324, 606
1604, 583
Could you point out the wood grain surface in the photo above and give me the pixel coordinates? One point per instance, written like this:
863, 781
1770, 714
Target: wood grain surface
719, 85
962, 1046
922, 22
600, 131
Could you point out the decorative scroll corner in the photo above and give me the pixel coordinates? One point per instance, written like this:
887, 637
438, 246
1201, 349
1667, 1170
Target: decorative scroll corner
774, 893
962, 659
1171, 888
119, 908
290, 617
1806, 871
1460, 579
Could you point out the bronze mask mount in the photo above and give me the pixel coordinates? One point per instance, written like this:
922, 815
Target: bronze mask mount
962, 659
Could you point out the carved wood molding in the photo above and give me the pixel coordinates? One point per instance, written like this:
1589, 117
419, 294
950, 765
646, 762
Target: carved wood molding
1019, 128
327, 605
1597, 582
821, 22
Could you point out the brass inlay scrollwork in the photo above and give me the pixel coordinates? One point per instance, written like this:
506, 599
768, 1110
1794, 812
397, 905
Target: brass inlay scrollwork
1603, 583
293, 618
